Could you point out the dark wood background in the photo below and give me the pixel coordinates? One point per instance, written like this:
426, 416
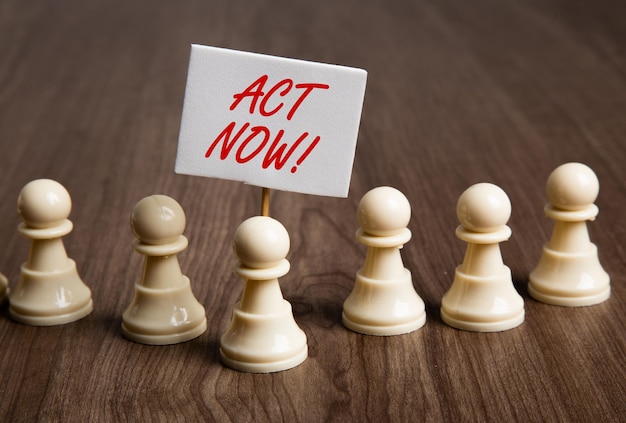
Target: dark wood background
458, 92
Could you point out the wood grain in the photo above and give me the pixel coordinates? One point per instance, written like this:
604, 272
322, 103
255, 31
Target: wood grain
458, 93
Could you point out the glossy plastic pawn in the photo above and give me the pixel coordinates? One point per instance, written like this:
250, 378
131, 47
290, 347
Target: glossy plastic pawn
383, 301
263, 336
164, 309
49, 291
482, 297
569, 272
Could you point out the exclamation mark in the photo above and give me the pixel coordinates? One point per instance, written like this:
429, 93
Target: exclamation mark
305, 154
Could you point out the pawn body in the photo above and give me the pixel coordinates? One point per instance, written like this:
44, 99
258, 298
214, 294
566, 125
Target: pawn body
383, 301
49, 291
163, 309
263, 336
482, 297
569, 272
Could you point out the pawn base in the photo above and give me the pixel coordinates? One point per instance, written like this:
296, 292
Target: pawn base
496, 326
570, 301
482, 303
163, 316
59, 319
570, 279
265, 367
380, 330
383, 307
169, 339
263, 343
50, 298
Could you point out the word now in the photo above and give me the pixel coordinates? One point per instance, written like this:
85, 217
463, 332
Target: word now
282, 88
256, 140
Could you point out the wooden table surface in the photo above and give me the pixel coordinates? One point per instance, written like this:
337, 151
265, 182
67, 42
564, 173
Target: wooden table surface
458, 93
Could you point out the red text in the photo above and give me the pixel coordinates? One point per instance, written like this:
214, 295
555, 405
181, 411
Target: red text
256, 139
255, 92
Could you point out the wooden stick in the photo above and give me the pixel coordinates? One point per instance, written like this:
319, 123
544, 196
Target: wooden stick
265, 202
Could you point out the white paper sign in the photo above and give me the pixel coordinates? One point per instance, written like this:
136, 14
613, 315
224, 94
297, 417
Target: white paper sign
270, 121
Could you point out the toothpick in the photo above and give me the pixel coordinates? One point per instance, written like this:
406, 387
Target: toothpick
265, 202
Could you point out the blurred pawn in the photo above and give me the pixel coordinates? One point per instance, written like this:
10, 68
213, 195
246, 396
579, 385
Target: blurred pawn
163, 309
263, 336
482, 297
569, 272
49, 291
383, 300
4, 288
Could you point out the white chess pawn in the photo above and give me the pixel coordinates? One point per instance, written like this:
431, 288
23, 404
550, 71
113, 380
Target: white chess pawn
482, 297
49, 291
163, 309
383, 301
569, 272
4, 288
263, 336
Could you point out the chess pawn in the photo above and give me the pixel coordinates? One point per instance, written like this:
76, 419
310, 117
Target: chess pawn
4, 288
263, 336
163, 309
569, 272
482, 297
49, 291
383, 301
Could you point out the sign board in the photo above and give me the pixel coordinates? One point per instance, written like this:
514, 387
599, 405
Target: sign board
269, 121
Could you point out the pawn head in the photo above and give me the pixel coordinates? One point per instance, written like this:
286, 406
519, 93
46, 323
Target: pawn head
383, 211
157, 220
261, 242
43, 203
483, 207
572, 186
